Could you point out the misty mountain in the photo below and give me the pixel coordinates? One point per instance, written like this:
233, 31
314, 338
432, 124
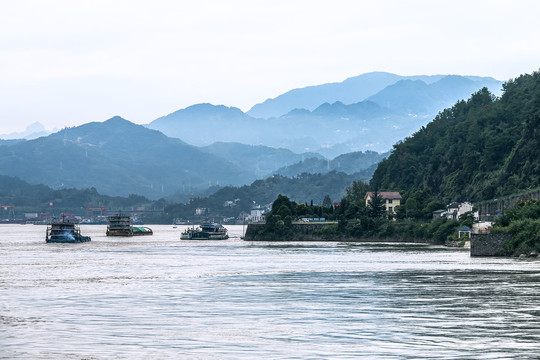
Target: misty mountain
355, 127
117, 157
420, 98
349, 91
350, 163
390, 114
205, 124
257, 159
32, 131
352, 90
300, 130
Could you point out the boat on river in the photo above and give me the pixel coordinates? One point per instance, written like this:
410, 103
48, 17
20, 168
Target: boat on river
206, 231
64, 232
120, 225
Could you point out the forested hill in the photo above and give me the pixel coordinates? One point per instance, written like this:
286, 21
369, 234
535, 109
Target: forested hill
479, 149
37, 198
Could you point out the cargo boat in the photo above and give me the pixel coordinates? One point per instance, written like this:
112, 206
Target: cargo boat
120, 225
64, 232
206, 231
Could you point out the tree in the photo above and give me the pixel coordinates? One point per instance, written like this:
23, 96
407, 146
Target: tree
411, 208
284, 211
376, 206
282, 202
327, 202
356, 192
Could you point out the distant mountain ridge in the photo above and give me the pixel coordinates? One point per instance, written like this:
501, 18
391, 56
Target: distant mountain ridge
351, 90
212, 118
395, 107
118, 158
418, 97
349, 163
259, 159
32, 131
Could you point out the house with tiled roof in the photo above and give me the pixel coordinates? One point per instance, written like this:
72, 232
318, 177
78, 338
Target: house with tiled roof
391, 199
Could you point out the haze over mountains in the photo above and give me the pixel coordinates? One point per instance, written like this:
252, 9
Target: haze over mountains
359, 88
32, 131
368, 112
118, 157
328, 127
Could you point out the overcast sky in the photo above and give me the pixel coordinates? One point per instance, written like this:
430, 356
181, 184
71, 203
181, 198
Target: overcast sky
65, 63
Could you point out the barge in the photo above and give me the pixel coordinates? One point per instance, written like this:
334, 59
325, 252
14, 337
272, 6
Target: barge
120, 225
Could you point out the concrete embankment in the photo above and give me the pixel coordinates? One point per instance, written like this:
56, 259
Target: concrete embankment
489, 244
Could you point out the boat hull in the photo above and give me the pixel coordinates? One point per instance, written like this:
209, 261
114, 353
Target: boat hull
133, 231
64, 232
204, 236
119, 233
206, 231
67, 239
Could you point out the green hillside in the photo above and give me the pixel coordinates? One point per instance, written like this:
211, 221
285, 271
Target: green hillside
478, 149
303, 188
117, 157
37, 198
363, 163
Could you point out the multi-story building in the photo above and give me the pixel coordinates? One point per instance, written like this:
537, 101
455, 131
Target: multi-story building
391, 200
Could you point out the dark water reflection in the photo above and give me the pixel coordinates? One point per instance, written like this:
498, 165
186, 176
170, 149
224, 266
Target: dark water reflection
159, 297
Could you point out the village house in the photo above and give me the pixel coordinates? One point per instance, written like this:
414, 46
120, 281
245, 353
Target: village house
201, 211
257, 215
454, 211
391, 200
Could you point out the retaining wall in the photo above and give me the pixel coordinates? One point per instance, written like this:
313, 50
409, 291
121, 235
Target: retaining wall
489, 244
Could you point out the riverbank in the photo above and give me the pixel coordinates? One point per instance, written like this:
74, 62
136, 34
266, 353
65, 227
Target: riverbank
316, 232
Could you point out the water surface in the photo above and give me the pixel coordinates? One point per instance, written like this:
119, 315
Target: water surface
160, 297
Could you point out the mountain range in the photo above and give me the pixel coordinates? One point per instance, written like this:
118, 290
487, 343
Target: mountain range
362, 87
118, 157
32, 131
369, 112
205, 146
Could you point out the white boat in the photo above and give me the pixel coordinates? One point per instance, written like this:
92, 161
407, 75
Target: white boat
206, 231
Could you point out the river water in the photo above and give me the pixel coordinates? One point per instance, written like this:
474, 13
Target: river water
160, 297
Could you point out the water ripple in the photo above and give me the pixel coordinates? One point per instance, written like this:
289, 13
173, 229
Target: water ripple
159, 297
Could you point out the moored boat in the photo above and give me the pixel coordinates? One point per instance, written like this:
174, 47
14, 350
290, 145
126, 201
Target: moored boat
64, 232
206, 231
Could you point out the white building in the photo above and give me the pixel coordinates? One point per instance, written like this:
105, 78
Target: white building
200, 211
454, 211
256, 215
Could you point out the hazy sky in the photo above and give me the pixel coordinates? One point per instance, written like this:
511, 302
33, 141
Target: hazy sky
65, 63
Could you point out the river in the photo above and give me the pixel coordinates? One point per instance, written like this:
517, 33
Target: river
160, 297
